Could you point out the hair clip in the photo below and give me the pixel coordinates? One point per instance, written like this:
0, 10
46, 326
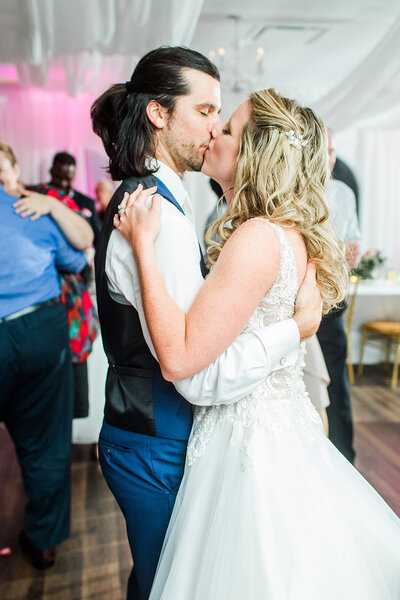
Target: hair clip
295, 138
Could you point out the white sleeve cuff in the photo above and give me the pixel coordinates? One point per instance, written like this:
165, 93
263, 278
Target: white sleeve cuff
281, 342
244, 365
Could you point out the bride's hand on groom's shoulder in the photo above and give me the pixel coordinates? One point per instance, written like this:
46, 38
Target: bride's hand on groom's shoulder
139, 218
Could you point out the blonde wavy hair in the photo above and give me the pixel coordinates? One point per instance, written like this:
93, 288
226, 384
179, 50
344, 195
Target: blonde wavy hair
8, 152
286, 184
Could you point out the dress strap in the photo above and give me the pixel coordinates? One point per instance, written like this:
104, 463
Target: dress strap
287, 262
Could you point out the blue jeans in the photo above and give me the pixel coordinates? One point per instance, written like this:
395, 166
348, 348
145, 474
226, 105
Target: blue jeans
144, 474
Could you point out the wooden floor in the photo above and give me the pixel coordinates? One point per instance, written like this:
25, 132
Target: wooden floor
94, 563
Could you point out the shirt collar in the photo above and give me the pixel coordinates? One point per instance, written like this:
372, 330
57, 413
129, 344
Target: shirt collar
172, 181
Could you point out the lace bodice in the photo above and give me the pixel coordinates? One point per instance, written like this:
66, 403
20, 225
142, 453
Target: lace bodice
280, 402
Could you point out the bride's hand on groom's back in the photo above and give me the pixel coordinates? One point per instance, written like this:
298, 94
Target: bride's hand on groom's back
308, 309
139, 218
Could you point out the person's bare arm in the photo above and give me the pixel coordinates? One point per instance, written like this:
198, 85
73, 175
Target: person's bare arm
74, 227
246, 268
352, 253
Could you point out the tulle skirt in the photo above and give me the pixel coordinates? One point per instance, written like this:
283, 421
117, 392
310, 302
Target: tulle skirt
301, 524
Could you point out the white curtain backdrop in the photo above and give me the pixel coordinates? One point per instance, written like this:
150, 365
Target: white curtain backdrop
378, 162
37, 124
70, 44
370, 91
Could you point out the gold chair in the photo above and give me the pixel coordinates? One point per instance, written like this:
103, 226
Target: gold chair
379, 332
351, 302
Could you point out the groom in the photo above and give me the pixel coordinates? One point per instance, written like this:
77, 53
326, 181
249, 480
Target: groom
154, 128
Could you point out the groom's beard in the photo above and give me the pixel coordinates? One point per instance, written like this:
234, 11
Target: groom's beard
187, 156
195, 160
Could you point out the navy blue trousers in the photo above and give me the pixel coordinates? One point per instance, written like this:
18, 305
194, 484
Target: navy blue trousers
144, 474
36, 402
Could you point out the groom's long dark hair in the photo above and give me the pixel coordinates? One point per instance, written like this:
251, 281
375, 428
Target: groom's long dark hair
119, 114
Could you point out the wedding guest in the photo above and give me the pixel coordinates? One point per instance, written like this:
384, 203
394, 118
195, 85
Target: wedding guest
36, 400
103, 190
219, 208
331, 334
63, 173
342, 172
33, 205
64, 211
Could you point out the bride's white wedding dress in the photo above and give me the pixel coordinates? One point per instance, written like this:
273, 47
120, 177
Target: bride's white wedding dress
268, 508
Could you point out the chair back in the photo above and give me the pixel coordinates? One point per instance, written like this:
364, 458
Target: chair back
351, 302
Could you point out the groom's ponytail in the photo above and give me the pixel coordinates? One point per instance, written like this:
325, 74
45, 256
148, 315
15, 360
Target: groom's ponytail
119, 119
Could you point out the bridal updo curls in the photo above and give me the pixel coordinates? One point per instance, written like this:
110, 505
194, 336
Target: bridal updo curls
285, 182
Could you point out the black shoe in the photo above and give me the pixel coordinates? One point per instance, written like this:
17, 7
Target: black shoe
41, 559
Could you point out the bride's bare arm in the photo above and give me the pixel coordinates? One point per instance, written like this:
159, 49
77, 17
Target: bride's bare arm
246, 268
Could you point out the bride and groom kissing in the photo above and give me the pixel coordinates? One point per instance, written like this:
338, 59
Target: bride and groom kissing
258, 503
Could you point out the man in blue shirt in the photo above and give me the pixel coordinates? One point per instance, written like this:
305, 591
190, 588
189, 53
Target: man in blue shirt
36, 398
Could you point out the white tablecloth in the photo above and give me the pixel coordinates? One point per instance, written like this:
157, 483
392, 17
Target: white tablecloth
377, 300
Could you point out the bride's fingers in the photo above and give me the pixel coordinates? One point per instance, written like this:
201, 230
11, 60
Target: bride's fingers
155, 203
133, 204
123, 204
128, 198
141, 200
139, 195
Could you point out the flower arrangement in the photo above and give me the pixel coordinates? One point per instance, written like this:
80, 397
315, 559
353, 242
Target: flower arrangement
369, 262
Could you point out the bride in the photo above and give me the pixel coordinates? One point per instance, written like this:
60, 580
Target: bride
267, 508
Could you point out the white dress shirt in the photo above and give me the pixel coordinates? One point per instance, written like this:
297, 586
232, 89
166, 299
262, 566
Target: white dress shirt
250, 358
342, 211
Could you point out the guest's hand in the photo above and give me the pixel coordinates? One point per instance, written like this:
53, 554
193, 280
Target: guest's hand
308, 309
138, 221
34, 205
352, 254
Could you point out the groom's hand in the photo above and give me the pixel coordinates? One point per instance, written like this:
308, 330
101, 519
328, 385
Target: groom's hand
308, 309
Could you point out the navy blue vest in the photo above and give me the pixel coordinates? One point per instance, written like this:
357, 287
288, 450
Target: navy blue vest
138, 398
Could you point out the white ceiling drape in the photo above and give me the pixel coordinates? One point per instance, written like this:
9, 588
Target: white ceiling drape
371, 92
73, 45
